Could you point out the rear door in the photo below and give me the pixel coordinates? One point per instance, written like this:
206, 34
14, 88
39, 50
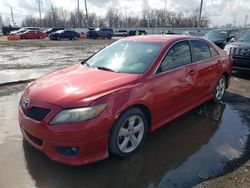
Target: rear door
207, 61
173, 83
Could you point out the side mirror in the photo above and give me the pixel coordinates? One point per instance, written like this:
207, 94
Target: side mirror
231, 39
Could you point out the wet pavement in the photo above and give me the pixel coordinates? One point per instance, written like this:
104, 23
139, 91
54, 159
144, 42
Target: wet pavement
14, 75
199, 145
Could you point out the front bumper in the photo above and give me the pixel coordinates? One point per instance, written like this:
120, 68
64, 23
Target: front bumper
91, 137
241, 63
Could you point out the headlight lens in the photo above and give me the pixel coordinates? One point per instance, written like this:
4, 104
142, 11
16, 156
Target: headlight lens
227, 49
78, 114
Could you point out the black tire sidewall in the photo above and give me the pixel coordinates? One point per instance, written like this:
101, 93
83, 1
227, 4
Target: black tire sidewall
113, 146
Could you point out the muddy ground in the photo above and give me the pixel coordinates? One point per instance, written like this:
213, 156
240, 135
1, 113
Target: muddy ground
210, 144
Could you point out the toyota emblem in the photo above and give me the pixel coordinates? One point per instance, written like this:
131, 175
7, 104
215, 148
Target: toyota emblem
26, 102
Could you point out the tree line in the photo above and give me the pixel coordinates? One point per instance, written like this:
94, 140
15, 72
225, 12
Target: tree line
59, 17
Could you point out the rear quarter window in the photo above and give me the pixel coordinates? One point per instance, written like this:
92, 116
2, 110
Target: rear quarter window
201, 50
213, 51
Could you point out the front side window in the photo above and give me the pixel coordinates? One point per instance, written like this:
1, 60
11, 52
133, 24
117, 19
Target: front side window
201, 50
179, 55
133, 57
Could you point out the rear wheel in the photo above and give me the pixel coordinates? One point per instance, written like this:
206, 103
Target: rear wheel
220, 89
128, 133
109, 36
58, 38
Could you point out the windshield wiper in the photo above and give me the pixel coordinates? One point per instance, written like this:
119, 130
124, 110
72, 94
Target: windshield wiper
105, 68
85, 62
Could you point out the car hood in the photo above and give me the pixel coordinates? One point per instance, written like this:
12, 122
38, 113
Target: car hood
245, 45
77, 85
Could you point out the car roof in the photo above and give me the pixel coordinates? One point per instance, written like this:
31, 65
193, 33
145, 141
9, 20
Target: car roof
226, 29
160, 38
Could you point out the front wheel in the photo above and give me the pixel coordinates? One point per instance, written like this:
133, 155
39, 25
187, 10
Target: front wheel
128, 133
220, 89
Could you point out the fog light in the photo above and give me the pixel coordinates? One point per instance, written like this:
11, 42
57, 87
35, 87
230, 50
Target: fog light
68, 151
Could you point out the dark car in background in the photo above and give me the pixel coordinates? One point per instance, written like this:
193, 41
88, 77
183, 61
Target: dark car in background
54, 29
7, 29
95, 33
137, 32
64, 34
222, 36
240, 51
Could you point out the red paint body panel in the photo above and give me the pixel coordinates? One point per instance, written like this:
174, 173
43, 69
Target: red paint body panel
166, 95
33, 35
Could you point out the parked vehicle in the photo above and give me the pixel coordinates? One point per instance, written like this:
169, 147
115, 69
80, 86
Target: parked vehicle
29, 34
64, 34
6, 30
193, 33
23, 29
100, 32
54, 29
121, 33
240, 51
137, 32
222, 36
107, 104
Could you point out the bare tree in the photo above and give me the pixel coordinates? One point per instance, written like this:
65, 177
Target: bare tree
1, 21
59, 17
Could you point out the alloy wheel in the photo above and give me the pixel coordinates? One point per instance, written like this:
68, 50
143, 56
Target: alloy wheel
130, 134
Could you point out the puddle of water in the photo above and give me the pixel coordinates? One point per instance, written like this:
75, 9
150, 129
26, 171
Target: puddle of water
185, 152
14, 75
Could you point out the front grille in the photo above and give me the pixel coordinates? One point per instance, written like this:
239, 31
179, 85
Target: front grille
35, 140
240, 52
36, 113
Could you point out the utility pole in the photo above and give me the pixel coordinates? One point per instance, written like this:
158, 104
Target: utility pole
12, 16
78, 14
87, 17
199, 21
40, 14
246, 19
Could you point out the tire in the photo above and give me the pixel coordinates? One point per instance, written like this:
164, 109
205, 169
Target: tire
126, 139
58, 38
109, 37
220, 89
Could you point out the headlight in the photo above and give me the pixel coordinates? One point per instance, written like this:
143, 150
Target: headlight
227, 49
78, 114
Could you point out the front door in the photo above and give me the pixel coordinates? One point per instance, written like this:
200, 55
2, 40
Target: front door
174, 81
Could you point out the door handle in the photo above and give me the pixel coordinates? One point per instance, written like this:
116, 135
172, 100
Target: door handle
191, 72
210, 68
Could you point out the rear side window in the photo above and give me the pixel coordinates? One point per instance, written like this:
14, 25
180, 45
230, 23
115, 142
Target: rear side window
201, 50
177, 56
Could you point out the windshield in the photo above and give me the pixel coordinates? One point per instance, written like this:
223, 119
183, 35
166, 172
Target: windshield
126, 56
245, 37
216, 35
60, 31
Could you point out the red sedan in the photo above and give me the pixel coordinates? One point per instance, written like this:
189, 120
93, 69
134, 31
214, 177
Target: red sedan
32, 34
110, 102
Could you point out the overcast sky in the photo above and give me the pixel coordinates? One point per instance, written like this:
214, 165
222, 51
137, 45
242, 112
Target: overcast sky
220, 12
